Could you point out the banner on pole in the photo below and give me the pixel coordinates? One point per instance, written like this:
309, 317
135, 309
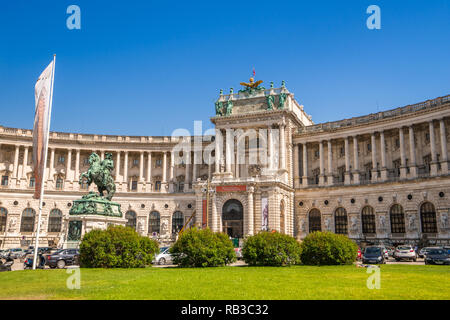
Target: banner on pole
42, 95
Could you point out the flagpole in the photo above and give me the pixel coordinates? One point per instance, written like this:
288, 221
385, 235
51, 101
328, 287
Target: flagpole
41, 198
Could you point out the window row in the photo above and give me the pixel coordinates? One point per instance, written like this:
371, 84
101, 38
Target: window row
368, 222
28, 220
154, 221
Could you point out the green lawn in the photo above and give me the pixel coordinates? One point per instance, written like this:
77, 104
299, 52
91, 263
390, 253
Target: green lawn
300, 282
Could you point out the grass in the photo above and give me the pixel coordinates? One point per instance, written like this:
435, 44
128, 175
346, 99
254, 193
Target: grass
299, 282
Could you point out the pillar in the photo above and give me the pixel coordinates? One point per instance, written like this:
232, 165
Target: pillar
25, 163
125, 169
412, 154
149, 167
68, 163
217, 151
52, 160
383, 157
355, 160
374, 158
347, 161
433, 150
444, 154
77, 166
282, 147
402, 155
250, 229
330, 178
141, 166
117, 166
16, 162
296, 167
305, 165
322, 164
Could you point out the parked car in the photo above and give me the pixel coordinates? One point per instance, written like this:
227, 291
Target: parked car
164, 256
62, 258
4, 253
437, 255
385, 252
6, 265
391, 251
405, 252
28, 262
16, 253
423, 251
374, 254
448, 249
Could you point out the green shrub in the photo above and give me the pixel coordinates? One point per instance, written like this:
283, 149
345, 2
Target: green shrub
326, 248
116, 247
202, 248
271, 249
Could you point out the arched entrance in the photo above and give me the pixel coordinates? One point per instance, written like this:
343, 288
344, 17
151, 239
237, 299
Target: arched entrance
233, 218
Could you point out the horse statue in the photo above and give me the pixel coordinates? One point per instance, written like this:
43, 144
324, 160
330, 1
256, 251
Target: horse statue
99, 172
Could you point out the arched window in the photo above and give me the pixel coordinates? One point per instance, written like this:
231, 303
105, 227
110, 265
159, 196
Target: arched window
315, 220
282, 215
55, 221
177, 221
428, 218
397, 219
3, 215
340, 221
154, 222
27, 223
368, 220
131, 219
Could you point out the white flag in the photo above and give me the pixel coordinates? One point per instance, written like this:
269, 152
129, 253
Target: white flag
43, 96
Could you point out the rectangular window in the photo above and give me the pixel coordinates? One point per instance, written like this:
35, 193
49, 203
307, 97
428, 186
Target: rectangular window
32, 182
134, 184
61, 159
157, 185
158, 163
86, 161
59, 184
135, 162
4, 180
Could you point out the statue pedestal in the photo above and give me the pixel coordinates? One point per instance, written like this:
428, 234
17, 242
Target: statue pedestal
89, 213
79, 225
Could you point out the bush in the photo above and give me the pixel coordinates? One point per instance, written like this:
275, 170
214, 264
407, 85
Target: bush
326, 248
202, 248
271, 249
116, 247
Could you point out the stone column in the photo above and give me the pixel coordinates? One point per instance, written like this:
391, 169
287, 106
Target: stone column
444, 154
117, 166
412, 154
296, 167
347, 162
355, 160
282, 147
228, 151
383, 157
102, 155
25, 163
77, 166
16, 163
164, 168
214, 213
250, 228
433, 150
305, 165
52, 160
141, 166
217, 151
187, 172
330, 178
125, 170
172, 172
403, 169
270, 148
322, 164
194, 167
374, 158
68, 164
149, 168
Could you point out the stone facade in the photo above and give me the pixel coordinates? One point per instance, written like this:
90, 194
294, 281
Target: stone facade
377, 178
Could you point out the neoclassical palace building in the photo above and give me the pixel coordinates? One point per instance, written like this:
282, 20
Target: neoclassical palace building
380, 178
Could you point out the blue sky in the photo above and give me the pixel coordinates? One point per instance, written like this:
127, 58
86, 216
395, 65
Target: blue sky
150, 67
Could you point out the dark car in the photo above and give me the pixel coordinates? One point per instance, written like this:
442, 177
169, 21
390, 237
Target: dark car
437, 256
62, 258
374, 255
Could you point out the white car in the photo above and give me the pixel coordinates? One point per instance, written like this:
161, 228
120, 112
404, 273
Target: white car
164, 257
405, 252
